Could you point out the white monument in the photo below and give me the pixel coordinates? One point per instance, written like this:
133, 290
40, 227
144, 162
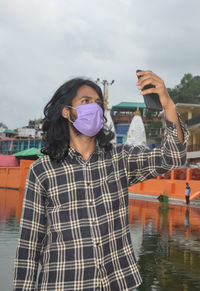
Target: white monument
109, 123
136, 133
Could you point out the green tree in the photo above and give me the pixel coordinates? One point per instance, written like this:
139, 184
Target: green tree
188, 91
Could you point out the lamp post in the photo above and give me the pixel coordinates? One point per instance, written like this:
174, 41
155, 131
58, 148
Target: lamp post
105, 84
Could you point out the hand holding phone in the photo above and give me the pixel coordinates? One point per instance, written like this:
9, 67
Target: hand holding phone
152, 100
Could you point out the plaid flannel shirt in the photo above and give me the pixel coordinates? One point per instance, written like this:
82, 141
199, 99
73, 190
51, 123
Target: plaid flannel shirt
75, 220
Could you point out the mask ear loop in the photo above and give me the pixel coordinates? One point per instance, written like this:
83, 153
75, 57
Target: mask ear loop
72, 108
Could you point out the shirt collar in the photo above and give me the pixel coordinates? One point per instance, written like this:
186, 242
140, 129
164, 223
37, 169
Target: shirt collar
72, 153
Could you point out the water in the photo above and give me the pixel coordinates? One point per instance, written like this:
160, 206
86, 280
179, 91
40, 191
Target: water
167, 245
166, 240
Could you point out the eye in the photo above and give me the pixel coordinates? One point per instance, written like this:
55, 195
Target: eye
99, 102
85, 100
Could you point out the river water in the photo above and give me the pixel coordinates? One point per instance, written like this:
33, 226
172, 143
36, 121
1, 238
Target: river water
166, 240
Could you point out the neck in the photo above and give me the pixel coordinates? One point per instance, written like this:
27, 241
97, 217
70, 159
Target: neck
83, 144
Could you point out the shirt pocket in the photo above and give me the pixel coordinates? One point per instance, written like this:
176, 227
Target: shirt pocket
112, 192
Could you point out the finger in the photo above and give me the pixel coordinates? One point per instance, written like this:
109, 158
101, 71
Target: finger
155, 81
143, 73
150, 91
147, 76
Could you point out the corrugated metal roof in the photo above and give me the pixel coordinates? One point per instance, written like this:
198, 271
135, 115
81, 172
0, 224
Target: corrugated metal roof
29, 152
129, 105
10, 131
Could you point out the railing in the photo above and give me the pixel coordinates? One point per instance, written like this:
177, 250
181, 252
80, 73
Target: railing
193, 147
193, 121
122, 118
9, 147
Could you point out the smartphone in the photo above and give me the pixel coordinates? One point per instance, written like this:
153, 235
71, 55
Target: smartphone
152, 100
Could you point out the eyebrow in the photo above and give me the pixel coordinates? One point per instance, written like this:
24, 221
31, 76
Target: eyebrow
99, 99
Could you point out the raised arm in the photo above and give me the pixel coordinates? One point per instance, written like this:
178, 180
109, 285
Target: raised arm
143, 163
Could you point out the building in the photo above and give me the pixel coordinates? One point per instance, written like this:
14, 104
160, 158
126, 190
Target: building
6, 132
122, 115
191, 114
22, 138
32, 130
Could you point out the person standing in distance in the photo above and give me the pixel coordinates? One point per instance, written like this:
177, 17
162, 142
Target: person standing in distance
187, 193
75, 220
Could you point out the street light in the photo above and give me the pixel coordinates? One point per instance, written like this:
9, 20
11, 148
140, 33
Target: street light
105, 84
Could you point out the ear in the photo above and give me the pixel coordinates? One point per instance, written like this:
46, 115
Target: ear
65, 113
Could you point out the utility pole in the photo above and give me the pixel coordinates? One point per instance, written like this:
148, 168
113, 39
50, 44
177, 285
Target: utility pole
106, 85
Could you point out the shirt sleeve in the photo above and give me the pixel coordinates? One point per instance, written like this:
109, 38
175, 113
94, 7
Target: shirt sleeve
32, 233
144, 163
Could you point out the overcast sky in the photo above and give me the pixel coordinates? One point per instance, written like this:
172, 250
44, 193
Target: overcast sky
44, 43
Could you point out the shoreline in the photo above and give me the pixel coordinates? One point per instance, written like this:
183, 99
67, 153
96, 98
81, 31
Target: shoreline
171, 201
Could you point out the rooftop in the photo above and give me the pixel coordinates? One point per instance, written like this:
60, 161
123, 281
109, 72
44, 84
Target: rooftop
10, 131
128, 105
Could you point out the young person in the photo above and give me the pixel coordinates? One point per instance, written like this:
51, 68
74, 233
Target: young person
75, 220
187, 193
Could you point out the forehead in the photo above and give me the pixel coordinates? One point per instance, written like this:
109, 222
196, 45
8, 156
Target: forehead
86, 91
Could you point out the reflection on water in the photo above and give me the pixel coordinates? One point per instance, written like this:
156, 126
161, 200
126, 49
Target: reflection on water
169, 251
166, 242
10, 211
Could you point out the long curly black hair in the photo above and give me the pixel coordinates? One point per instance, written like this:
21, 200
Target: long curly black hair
55, 128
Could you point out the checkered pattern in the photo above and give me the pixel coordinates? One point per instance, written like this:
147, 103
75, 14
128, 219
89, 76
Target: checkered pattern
75, 220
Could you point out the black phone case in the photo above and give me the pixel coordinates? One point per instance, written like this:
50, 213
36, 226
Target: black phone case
152, 100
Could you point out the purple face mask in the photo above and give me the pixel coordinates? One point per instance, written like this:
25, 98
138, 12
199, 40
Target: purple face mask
89, 119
